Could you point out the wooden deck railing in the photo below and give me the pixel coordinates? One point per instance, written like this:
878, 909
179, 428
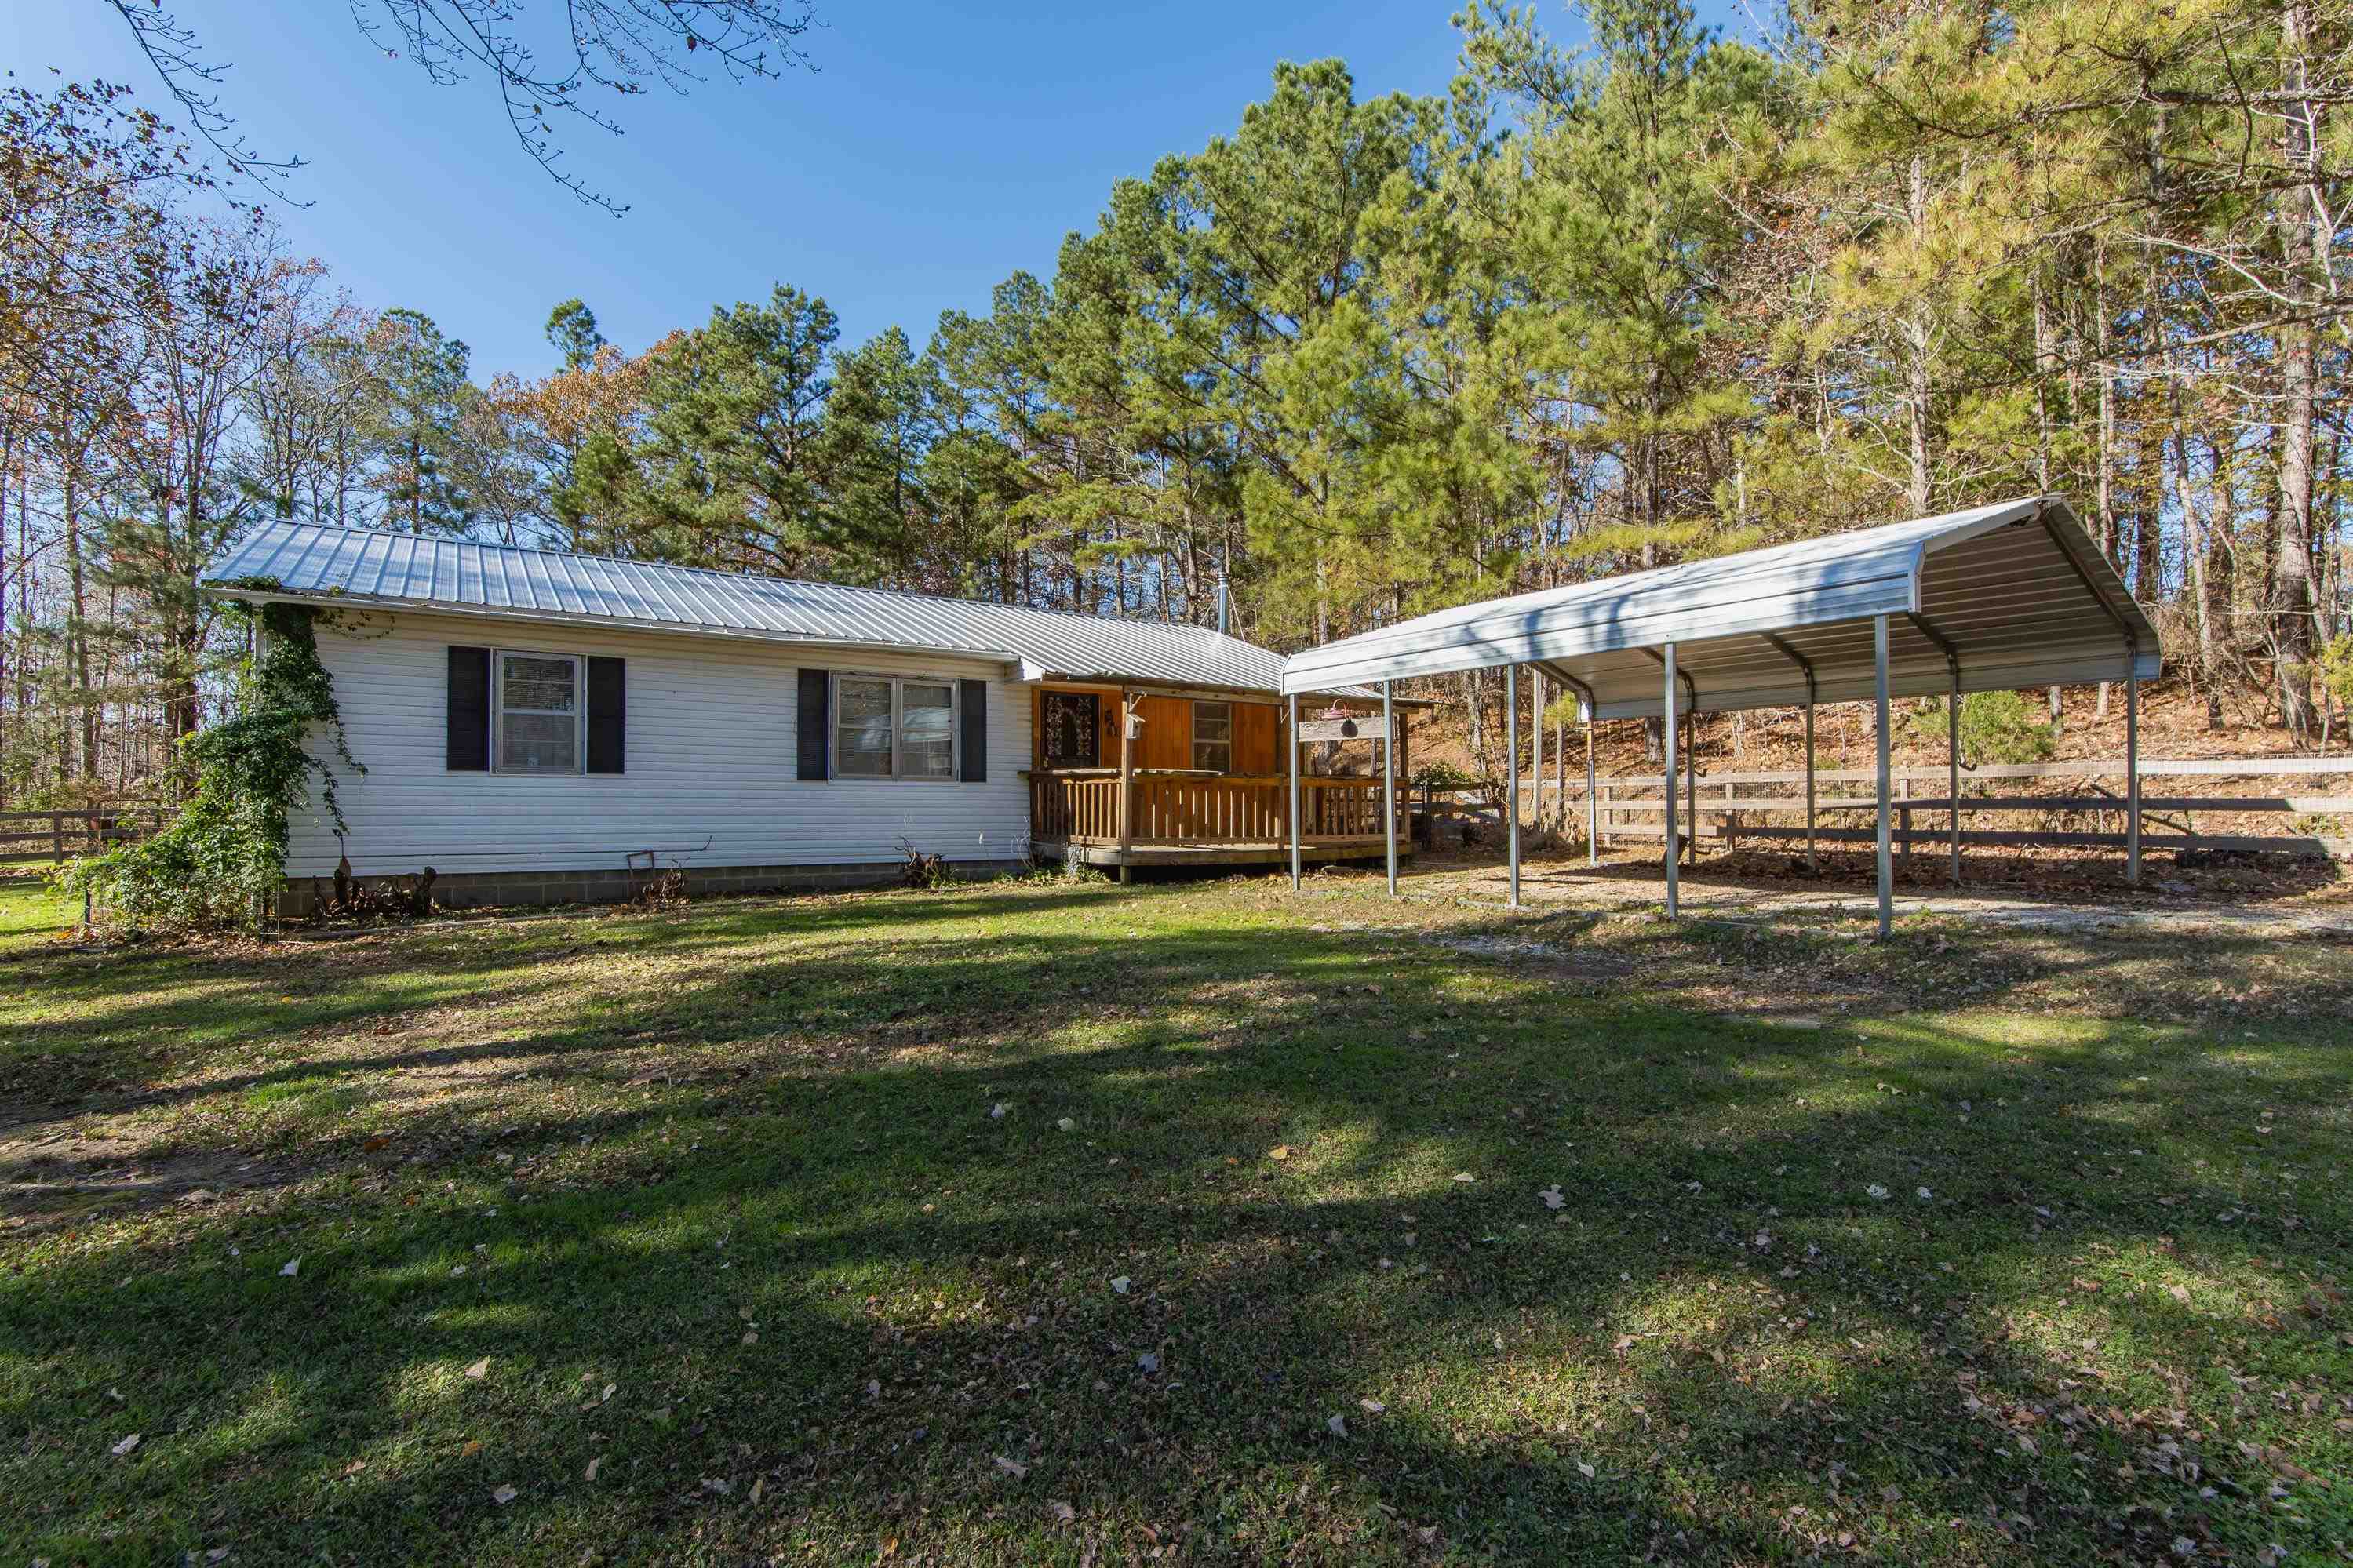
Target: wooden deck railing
1081, 808
1202, 809
1175, 809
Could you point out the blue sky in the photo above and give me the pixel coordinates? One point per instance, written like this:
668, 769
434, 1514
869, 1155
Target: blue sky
937, 149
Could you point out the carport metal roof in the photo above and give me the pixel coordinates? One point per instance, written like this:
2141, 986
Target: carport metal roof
1997, 597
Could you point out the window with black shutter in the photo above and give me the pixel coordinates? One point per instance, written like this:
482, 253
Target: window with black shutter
814, 724
469, 710
608, 715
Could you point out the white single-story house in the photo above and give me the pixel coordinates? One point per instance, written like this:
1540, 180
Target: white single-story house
529, 721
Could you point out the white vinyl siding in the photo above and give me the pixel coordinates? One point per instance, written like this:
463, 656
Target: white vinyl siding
713, 726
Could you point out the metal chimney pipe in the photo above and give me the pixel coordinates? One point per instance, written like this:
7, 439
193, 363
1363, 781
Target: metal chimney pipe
1225, 609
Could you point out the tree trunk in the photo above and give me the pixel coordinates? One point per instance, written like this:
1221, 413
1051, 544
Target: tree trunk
2292, 600
7, 462
1918, 334
2108, 430
2045, 352
2194, 552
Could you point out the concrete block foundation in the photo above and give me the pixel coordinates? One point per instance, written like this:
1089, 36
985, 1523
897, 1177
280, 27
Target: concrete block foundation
477, 889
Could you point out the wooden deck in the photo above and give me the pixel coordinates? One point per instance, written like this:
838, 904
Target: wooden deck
1100, 817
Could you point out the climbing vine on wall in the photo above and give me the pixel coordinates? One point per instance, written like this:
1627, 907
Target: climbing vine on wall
223, 859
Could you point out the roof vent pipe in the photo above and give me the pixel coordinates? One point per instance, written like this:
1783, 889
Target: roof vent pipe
1224, 608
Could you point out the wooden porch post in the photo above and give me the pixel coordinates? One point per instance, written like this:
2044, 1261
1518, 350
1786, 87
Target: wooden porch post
1126, 780
1291, 734
1389, 782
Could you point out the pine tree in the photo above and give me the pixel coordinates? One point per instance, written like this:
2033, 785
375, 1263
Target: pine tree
420, 395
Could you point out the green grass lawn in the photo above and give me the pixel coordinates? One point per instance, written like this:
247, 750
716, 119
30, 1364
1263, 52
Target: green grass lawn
1042, 1223
32, 913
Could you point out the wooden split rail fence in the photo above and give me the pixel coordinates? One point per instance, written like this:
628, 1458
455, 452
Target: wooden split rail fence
29, 837
1731, 806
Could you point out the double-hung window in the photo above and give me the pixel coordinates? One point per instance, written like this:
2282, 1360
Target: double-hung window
887, 727
1213, 737
537, 717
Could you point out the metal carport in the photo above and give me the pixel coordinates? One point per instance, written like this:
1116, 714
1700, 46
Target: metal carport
1993, 598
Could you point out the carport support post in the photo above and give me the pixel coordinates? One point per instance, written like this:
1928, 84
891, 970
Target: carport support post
1810, 861
1886, 860
1511, 750
1953, 763
1535, 743
1691, 777
1674, 849
2132, 776
1293, 736
1592, 802
1388, 783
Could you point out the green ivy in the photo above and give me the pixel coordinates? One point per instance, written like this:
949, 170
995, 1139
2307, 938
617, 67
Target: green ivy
223, 859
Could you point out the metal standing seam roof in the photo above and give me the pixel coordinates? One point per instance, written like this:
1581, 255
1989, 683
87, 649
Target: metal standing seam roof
2015, 593
371, 567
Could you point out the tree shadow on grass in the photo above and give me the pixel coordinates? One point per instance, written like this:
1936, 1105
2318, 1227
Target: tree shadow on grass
839, 1276
92, 1033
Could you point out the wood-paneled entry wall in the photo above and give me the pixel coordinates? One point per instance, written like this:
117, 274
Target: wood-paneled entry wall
1167, 742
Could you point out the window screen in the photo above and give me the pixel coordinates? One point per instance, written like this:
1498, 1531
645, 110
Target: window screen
1213, 736
927, 731
862, 728
538, 713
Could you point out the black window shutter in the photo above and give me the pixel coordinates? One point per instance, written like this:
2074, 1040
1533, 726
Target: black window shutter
608, 714
469, 710
976, 731
815, 728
